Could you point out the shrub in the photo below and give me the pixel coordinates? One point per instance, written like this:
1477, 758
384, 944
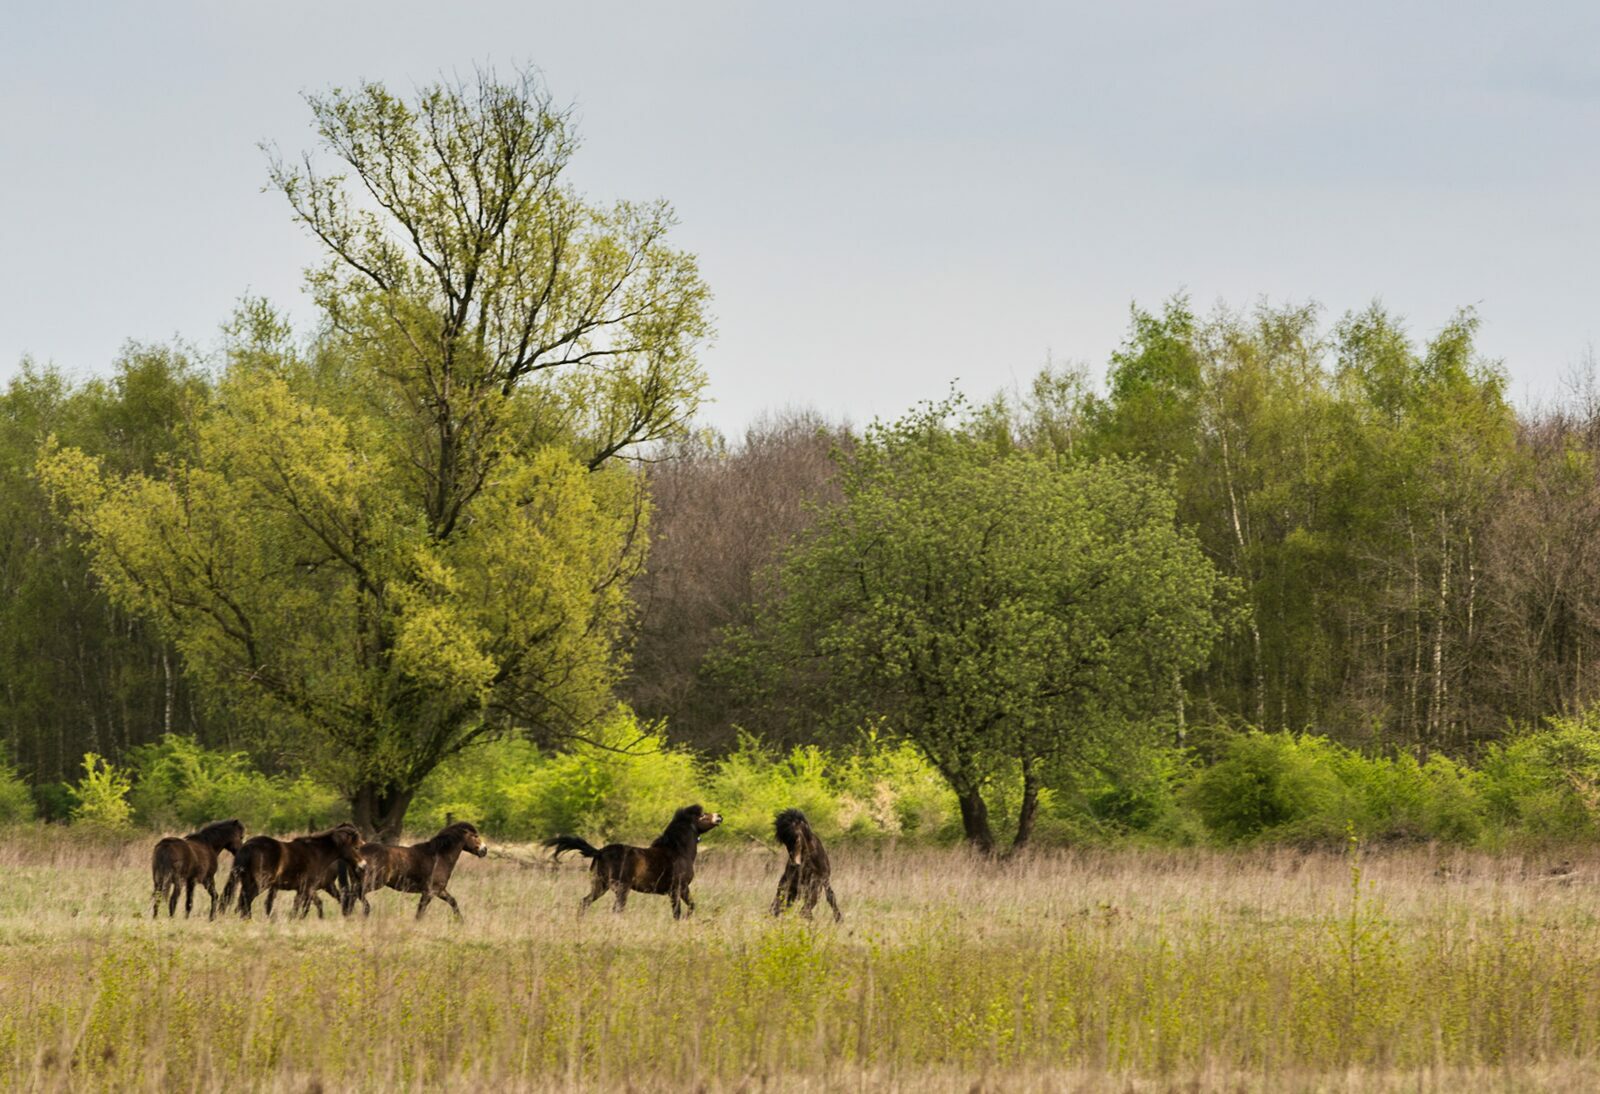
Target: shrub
102, 796
626, 783
1273, 785
16, 803
181, 784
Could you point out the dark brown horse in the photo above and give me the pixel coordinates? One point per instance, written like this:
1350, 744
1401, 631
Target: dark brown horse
806, 869
184, 862
665, 867
420, 868
304, 864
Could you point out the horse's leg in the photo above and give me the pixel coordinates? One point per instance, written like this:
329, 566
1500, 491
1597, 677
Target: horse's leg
445, 896
778, 904
838, 916
787, 889
688, 901
188, 897
813, 894
172, 904
422, 905
155, 900
312, 897
211, 888
621, 889
677, 903
596, 891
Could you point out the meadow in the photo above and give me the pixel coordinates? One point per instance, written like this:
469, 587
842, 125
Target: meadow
1273, 969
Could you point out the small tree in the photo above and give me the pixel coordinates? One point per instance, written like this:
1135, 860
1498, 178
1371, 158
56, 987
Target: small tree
991, 607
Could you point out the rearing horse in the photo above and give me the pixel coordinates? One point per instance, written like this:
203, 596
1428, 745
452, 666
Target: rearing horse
665, 867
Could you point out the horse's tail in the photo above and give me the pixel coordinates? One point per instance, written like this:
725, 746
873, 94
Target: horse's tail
561, 844
162, 868
789, 826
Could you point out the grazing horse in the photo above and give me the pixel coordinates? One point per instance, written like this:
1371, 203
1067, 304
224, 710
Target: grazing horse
303, 864
183, 862
666, 866
807, 868
421, 868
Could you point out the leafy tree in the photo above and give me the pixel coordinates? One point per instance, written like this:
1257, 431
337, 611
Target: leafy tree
991, 606
420, 534
77, 673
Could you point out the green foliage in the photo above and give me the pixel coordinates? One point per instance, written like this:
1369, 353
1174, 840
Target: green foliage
102, 796
180, 784
627, 782
16, 802
990, 606
1546, 783
1273, 784
418, 533
1270, 786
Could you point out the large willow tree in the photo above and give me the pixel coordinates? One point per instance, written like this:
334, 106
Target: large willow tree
420, 533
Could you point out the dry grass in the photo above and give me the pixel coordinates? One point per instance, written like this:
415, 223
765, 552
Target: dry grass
1143, 971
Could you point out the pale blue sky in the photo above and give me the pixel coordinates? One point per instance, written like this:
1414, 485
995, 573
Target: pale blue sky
883, 196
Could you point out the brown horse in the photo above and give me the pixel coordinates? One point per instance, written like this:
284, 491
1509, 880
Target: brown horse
304, 864
665, 867
420, 868
184, 862
807, 868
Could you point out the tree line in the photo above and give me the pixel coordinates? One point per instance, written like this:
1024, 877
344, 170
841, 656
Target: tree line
474, 503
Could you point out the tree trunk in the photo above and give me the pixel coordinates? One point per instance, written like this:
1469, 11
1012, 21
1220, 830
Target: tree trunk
975, 820
380, 812
1030, 808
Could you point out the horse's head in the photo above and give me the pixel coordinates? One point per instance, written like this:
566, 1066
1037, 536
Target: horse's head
233, 836
347, 842
467, 834
706, 822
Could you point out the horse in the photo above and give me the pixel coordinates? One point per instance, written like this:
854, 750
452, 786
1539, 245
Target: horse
188, 860
304, 864
665, 867
807, 868
420, 868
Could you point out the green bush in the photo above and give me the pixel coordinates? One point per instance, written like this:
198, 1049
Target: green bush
16, 802
181, 784
102, 796
889, 790
626, 784
1272, 785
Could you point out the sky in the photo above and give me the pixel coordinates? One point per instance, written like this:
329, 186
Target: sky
884, 197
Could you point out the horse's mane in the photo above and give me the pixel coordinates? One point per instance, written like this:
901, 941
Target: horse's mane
789, 826
344, 829
216, 828
681, 835
452, 835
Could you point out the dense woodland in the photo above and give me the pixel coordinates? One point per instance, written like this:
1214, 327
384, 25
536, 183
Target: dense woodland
475, 504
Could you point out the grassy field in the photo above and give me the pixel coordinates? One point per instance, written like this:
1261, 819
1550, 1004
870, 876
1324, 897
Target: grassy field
1417, 969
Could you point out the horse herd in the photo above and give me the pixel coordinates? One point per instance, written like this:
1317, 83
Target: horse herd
340, 863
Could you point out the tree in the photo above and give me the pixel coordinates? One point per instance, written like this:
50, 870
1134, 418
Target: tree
77, 673
720, 514
993, 607
420, 534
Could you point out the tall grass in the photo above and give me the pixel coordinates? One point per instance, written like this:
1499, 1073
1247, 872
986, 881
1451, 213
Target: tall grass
1266, 969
